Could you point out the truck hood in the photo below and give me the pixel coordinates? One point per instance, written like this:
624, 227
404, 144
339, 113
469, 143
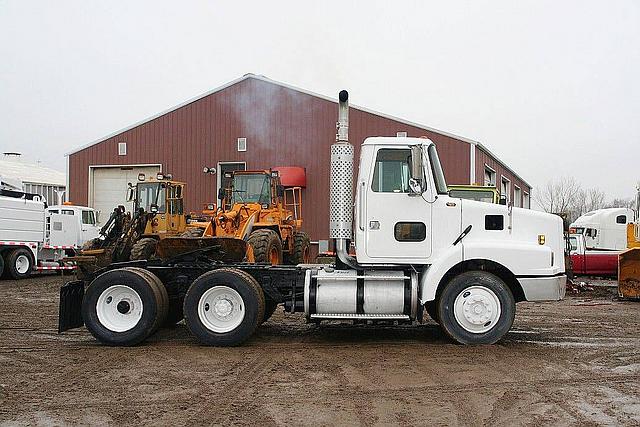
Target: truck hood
519, 235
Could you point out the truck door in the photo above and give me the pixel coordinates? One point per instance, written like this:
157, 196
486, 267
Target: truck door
396, 224
577, 254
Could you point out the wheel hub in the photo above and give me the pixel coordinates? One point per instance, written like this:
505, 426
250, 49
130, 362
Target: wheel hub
22, 264
477, 309
221, 309
119, 308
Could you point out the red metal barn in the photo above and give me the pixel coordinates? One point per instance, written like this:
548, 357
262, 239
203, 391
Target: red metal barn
257, 123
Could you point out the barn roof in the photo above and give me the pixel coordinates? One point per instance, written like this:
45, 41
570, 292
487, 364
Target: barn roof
316, 95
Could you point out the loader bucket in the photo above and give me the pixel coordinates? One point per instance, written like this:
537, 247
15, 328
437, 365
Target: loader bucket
629, 274
224, 249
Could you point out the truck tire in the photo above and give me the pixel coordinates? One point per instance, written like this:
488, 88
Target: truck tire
432, 310
144, 249
192, 232
18, 263
122, 307
164, 304
267, 247
301, 253
269, 308
223, 307
476, 307
1, 264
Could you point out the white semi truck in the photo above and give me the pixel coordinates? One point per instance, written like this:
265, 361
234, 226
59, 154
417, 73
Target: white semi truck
467, 263
34, 237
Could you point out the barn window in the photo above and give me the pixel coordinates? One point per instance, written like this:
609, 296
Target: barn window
242, 144
489, 176
505, 187
122, 148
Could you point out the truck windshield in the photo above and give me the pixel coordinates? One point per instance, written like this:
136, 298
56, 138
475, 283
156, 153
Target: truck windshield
480, 196
251, 189
151, 193
436, 167
88, 217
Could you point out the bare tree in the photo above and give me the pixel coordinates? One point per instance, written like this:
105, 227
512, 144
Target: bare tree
622, 203
559, 196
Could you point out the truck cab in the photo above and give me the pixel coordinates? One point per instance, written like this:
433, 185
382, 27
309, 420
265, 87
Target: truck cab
591, 261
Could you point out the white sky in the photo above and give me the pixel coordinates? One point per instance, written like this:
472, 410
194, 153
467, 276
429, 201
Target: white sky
551, 87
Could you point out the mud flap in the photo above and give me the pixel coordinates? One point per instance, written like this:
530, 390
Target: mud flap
70, 314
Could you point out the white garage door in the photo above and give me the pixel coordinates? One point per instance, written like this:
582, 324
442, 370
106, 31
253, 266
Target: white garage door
109, 187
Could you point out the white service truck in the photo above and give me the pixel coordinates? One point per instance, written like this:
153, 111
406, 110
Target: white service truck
604, 229
34, 237
466, 263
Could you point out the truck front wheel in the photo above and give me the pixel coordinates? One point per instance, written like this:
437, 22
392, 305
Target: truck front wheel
476, 307
224, 307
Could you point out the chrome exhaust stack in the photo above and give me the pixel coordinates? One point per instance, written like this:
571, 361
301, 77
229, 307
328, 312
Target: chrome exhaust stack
341, 185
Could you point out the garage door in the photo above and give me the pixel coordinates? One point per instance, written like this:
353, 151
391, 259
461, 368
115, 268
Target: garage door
109, 187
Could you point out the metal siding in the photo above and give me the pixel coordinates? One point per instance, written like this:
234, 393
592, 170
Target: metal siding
283, 127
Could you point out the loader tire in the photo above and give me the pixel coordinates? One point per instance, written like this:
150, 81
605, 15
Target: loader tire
267, 246
122, 307
143, 249
18, 263
224, 307
301, 253
476, 307
192, 232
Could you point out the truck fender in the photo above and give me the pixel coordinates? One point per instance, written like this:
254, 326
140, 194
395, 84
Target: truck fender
433, 274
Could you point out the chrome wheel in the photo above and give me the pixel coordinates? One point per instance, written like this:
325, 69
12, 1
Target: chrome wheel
119, 308
477, 309
221, 309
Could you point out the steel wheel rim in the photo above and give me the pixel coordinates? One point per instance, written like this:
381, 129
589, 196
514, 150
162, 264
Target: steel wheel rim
22, 264
221, 309
119, 308
477, 309
273, 256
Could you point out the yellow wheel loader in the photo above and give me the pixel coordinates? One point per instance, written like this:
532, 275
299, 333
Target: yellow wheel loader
257, 208
629, 260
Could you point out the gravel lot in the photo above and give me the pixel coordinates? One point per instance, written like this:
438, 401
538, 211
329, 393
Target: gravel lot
572, 362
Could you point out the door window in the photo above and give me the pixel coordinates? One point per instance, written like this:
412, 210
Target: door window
88, 217
573, 243
391, 173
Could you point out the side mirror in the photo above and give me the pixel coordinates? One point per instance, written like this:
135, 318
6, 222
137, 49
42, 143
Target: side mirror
503, 200
131, 193
221, 193
280, 190
153, 208
416, 169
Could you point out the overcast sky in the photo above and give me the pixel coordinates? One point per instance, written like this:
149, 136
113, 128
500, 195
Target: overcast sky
551, 87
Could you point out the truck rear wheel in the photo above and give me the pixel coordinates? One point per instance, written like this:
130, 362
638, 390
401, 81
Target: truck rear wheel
18, 263
269, 308
301, 249
476, 307
267, 247
143, 249
224, 307
1, 264
123, 306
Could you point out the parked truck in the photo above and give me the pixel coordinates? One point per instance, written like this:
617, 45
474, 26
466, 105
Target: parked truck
34, 237
592, 262
604, 228
468, 263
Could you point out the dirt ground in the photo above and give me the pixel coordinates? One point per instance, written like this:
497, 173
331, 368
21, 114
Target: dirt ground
567, 363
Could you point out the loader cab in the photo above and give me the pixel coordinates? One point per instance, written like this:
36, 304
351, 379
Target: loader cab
163, 198
400, 186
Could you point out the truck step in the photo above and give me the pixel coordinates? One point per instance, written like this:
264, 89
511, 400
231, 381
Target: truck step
360, 316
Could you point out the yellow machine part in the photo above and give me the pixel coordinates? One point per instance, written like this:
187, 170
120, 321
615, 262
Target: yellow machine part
629, 273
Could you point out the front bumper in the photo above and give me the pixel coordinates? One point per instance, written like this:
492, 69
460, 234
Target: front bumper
550, 288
